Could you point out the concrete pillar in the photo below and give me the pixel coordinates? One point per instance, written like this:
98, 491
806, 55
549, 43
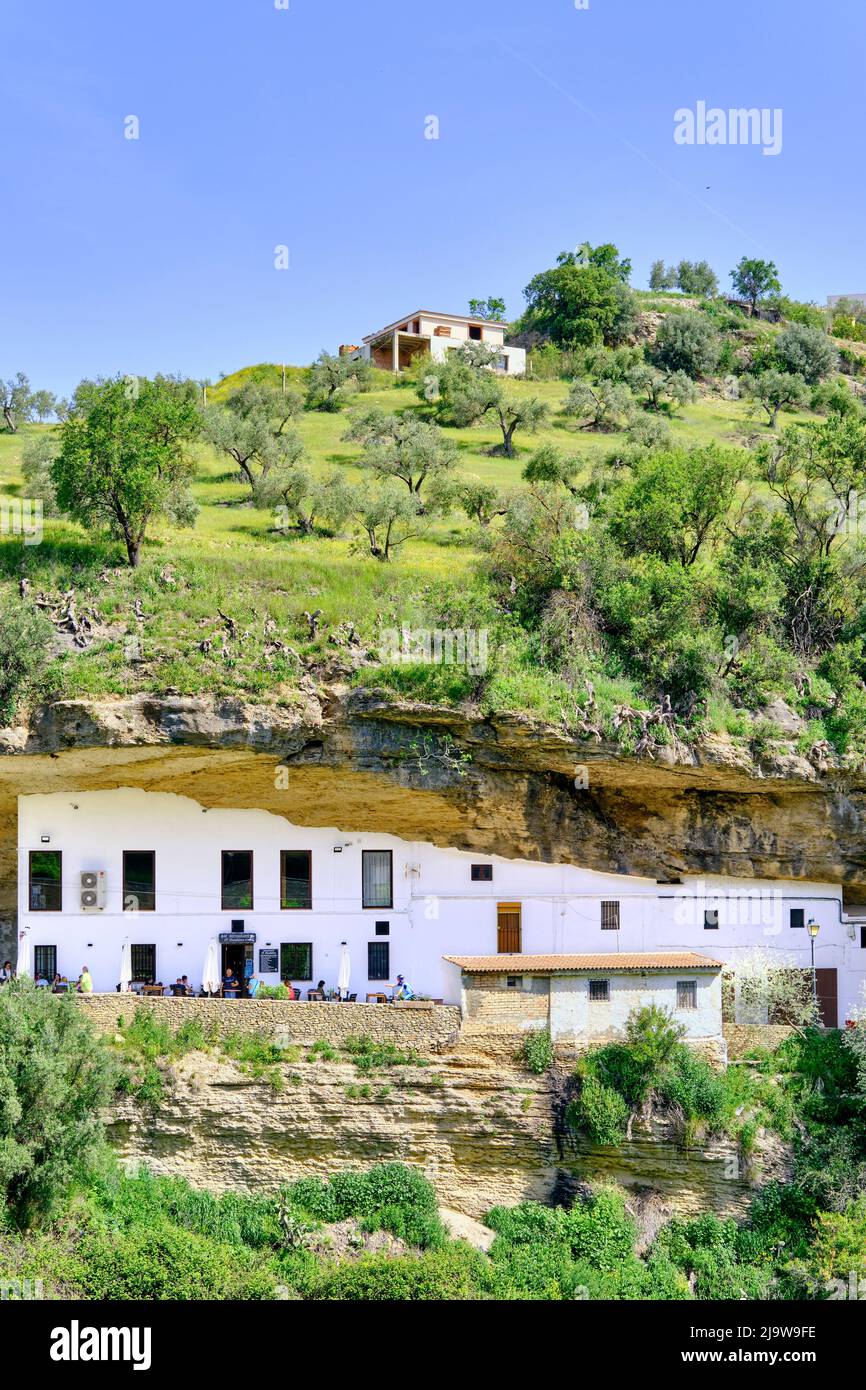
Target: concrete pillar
395, 351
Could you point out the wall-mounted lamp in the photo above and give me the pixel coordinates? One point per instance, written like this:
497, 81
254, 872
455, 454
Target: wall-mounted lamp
45, 839
338, 849
180, 943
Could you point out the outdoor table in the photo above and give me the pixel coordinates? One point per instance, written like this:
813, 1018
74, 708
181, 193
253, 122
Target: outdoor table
377, 998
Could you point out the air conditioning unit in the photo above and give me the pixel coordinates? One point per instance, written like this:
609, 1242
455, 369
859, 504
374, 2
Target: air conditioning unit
93, 890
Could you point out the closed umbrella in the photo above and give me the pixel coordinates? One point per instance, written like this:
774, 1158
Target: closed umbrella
125, 967
210, 980
345, 968
23, 966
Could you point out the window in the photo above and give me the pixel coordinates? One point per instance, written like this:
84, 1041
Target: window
798, 917
383, 928
139, 880
514, 982
46, 883
475, 332
377, 878
296, 960
508, 932
711, 919
599, 991
610, 916
863, 938
687, 994
502, 363
237, 883
45, 962
378, 960
296, 878
143, 963
481, 873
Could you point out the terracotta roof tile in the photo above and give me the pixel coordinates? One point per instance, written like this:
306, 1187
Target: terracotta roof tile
610, 960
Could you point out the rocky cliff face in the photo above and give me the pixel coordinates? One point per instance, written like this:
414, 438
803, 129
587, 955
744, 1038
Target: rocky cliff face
480, 1130
500, 785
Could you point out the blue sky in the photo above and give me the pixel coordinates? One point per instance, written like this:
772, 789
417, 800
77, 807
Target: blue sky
305, 127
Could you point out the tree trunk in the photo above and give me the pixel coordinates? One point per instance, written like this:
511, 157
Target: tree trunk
10, 423
133, 550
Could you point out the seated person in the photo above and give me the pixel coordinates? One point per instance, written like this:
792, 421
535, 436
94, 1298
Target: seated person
187, 987
231, 984
252, 986
40, 981
403, 990
178, 989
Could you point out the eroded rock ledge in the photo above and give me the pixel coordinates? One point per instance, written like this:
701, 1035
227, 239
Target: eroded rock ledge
357, 760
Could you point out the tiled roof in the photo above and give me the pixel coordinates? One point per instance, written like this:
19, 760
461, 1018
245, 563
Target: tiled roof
610, 960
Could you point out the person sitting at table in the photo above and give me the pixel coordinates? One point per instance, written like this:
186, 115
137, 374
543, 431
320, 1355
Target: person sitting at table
40, 981
231, 984
58, 984
6, 972
85, 983
179, 989
187, 987
403, 990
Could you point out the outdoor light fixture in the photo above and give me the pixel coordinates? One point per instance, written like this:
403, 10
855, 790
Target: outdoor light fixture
46, 839
180, 943
338, 849
813, 929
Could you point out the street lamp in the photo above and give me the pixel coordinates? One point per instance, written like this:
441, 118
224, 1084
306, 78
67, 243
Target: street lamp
813, 929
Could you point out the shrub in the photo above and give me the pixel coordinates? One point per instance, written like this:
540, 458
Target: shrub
156, 1264
25, 637
690, 1083
687, 342
599, 1111
806, 350
56, 1075
389, 1196
453, 1274
538, 1051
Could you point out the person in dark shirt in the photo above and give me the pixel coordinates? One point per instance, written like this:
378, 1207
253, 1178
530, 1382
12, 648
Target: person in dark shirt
231, 984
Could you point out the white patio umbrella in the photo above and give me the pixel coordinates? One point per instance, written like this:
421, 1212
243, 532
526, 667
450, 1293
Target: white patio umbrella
344, 972
24, 967
210, 979
125, 967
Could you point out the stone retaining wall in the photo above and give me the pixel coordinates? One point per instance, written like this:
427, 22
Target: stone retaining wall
743, 1037
428, 1029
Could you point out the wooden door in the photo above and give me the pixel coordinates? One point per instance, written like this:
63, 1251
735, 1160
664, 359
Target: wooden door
828, 996
508, 934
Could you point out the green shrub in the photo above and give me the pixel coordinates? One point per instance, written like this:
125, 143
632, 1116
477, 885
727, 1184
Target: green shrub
599, 1111
691, 1083
25, 636
538, 1051
56, 1076
162, 1263
453, 1274
389, 1196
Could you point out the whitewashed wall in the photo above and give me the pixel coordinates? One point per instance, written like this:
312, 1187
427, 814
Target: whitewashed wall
438, 911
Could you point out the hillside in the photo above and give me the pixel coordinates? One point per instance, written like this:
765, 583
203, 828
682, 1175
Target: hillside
222, 608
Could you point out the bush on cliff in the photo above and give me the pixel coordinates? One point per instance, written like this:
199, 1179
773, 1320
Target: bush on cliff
55, 1077
389, 1196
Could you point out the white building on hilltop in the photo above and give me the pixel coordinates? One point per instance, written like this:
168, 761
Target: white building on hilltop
394, 346
169, 876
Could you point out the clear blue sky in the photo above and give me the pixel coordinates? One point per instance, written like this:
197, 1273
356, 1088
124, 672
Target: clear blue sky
261, 126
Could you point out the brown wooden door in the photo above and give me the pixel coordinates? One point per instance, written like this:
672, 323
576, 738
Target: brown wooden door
828, 997
508, 934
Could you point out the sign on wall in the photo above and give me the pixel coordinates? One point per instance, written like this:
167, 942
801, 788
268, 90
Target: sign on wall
269, 960
237, 938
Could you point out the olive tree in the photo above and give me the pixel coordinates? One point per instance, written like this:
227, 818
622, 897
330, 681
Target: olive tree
123, 457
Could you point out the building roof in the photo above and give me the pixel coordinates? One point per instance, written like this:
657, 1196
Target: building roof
556, 965
432, 314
